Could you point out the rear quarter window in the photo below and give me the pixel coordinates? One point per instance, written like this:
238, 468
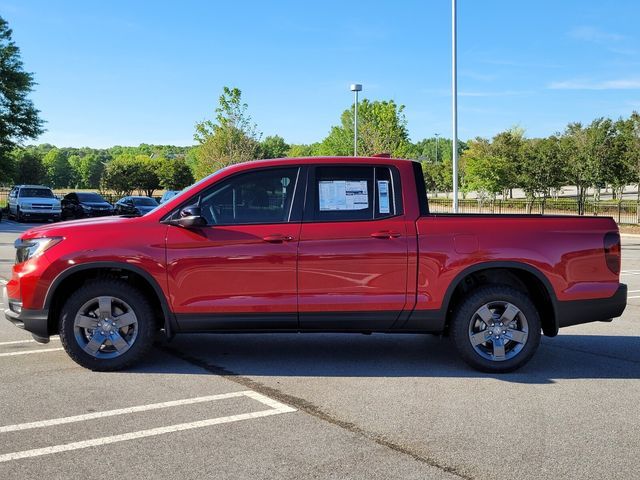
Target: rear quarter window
350, 193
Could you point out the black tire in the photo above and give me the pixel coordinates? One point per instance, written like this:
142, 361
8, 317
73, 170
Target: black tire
506, 354
76, 338
18, 215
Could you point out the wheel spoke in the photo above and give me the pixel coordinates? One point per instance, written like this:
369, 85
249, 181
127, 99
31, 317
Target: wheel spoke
104, 305
478, 338
85, 321
516, 335
125, 319
498, 348
485, 314
119, 342
95, 343
509, 314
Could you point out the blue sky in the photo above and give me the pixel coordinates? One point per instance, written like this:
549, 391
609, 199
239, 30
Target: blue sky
127, 72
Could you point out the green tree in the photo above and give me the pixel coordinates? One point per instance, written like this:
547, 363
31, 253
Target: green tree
145, 174
382, 127
231, 138
174, 174
57, 169
19, 119
628, 147
121, 175
485, 173
541, 169
28, 167
432, 149
507, 146
573, 152
303, 150
273, 147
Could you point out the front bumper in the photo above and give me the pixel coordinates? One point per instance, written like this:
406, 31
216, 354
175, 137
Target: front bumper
34, 321
576, 312
41, 214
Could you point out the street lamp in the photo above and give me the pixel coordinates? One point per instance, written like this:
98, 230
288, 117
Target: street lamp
454, 104
355, 88
437, 135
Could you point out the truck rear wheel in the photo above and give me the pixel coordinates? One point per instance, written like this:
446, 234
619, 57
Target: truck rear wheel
107, 325
496, 329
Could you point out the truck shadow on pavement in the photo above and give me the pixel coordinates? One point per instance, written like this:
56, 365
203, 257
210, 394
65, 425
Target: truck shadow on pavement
350, 355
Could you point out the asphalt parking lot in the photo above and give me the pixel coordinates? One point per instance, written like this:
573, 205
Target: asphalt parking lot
325, 406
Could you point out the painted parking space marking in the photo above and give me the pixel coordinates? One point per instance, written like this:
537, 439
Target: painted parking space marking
275, 408
31, 340
29, 352
119, 411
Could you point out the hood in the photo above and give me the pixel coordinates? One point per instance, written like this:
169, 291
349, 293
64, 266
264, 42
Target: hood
62, 229
95, 204
41, 200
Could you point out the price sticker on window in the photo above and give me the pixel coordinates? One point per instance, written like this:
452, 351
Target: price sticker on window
383, 196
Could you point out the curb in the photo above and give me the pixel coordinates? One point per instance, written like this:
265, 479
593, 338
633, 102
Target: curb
630, 235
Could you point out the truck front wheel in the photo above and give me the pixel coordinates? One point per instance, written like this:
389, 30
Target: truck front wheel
107, 325
496, 329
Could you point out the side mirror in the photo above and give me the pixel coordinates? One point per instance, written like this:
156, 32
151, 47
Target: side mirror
191, 216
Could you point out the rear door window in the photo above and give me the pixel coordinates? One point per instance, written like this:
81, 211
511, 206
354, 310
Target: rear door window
348, 193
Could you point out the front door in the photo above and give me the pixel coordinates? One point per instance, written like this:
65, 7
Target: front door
352, 260
239, 271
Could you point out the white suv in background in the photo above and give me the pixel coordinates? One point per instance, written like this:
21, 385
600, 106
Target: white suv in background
33, 202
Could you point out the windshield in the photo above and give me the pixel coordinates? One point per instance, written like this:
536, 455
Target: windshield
36, 192
90, 197
144, 202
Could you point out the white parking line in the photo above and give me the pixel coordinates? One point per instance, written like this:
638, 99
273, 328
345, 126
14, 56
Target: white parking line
119, 411
28, 352
31, 340
634, 296
275, 408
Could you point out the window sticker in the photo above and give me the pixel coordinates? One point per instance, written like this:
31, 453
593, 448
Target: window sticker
383, 196
343, 195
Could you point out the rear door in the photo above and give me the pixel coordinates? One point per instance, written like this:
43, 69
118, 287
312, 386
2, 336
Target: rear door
352, 254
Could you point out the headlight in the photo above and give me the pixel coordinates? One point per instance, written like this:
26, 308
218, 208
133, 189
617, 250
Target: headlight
25, 205
26, 249
86, 208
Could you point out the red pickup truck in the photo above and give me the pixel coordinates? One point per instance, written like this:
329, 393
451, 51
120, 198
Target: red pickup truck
314, 245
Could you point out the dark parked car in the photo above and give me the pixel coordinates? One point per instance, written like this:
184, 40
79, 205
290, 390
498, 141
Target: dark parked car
134, 205
85, 204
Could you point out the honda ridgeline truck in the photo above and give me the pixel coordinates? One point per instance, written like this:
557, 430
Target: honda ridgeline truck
314, 245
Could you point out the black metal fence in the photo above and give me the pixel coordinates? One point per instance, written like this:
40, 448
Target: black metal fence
624, 212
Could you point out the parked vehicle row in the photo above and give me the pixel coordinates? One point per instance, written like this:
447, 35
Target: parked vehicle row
37, 202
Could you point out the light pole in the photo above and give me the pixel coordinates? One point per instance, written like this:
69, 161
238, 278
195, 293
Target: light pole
454, 104
355, 88
437, 135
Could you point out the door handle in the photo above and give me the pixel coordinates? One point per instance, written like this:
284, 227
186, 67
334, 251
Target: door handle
385, 234
277, 238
